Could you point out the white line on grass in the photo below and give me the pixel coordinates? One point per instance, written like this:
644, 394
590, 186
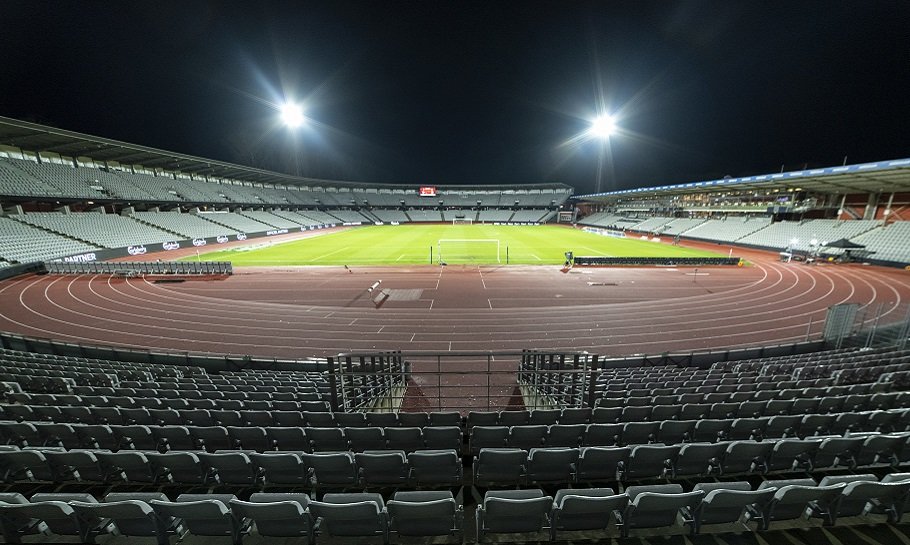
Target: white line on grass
596, 251
330, 253
535, 257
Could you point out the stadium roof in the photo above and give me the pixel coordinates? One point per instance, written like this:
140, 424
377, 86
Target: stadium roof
890, 176
41, 138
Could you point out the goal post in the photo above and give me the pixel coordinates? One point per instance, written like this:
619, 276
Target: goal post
473, 250
462, 221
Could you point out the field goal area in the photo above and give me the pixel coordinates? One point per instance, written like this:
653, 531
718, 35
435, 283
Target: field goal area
462, 250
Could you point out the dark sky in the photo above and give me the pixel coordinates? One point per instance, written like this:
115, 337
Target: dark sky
473, 92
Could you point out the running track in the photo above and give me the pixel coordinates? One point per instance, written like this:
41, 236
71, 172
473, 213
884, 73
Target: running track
314, 311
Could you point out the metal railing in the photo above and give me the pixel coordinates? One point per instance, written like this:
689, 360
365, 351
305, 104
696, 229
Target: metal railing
460, 381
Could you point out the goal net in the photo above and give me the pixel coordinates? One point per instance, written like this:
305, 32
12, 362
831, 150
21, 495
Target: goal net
462, 221
476, 250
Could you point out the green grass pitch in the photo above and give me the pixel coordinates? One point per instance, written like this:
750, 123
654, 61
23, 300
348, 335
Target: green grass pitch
410, 244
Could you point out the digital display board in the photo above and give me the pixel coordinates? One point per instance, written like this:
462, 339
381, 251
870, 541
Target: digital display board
428, 191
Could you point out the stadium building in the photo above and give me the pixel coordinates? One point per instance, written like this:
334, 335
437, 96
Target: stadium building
725, 360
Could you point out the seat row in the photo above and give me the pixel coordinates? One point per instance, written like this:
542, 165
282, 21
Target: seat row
647, 462
283, 515
253, 414
436, 513
130, 397
332, 470
490, 465
875, 399
212, 438
686, 431
707, 504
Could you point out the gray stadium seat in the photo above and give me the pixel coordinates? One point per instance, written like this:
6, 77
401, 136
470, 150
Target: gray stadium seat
204, 515
275, 515
425, 513
356, 514
585, 509
513, 511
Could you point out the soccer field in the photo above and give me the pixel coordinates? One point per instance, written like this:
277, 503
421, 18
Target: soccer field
453, 244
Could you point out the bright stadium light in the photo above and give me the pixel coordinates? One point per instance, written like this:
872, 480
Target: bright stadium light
292, 115
603, 127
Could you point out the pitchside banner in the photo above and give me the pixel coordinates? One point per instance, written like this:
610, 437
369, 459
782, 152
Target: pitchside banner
142, 249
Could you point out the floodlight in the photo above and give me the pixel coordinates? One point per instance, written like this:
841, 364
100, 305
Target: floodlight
292, 115
603, 126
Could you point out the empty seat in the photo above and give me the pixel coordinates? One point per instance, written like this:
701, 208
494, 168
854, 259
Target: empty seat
649, 461
133, 517
442, 438
746, 457
435, 467
356, 514
204, 515
231, 467
512, 511
181, 467
791, 501
698, 459
585, 509
552, 465
388, 468
727, 502
425, 513
659, 509
331, 469
275, 515
599, 464
281, 467
488, 437
500, 465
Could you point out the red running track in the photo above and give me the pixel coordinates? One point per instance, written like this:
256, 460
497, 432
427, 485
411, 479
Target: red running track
312, 311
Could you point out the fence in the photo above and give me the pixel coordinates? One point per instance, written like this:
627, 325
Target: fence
460, 381
185, 268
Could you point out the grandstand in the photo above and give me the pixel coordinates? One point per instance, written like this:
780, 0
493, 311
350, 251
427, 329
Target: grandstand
796, 442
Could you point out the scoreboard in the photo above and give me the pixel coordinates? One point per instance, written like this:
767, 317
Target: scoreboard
428, 191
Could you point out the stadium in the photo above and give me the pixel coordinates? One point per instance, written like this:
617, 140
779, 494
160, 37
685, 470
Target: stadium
195, 350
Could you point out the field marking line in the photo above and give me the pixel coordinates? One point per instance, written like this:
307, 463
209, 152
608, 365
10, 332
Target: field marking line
596, 251
535, 257
328, 254
402, 256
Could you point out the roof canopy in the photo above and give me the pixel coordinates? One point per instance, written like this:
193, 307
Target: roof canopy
41, 138
881, 177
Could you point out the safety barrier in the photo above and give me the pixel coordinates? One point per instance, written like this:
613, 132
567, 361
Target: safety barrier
130, 269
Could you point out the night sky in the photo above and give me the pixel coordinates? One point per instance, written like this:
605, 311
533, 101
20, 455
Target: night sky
473, 92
